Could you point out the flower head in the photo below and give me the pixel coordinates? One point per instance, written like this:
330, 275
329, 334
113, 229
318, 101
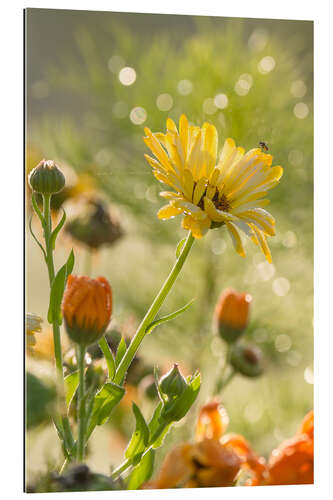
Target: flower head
33, 325
232, 314
87, 307
214, 459
292, 461
208, 192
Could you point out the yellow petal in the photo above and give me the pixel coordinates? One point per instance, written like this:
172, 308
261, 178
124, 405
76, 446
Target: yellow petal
214, 214
236, 239
171, 125
261, 218
188, 184
209, 148
199, 190
169, 195
261, 239
211, 190
183, 133
198, 227
168, 211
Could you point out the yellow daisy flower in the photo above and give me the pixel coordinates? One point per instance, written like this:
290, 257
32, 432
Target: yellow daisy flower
209, 193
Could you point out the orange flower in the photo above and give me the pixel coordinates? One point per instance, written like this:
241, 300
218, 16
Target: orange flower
212, 461
212, 422
292, 461
232, 314
86, 307
251, 463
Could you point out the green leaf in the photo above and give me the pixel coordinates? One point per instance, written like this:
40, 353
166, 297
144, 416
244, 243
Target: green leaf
57, 290
120, 351
35, 238
104, 402
103, 344
55, 232
70, 263
140, 436
179, 247
158, 429
71, 384
36, 208
173, 315
175, 410
143, 471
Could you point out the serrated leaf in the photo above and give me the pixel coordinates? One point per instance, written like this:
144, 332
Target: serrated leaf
55, 232
57, 290
120, 351
143, 471
71, 384
179, 247
104, 402
168, 317
140, 436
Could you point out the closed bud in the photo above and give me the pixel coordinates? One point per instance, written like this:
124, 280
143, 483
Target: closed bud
95, 225
247, 360
46, 178
86, 307
232, 314
173, 384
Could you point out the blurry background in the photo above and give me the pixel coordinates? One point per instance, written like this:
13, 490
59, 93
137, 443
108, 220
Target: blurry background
94, 80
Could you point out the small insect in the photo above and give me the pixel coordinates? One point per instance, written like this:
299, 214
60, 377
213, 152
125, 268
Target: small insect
263, 145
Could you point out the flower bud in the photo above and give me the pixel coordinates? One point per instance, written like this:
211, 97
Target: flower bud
95, 225
46, 178
173, 384
232, 314
86, 307
247, 360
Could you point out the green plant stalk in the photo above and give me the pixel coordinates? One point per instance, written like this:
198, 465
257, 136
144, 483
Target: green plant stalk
81, 413
56, 328
152, 312
220, 383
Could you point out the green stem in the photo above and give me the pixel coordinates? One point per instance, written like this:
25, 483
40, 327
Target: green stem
56, 328
220, 381
152, 311
81, 414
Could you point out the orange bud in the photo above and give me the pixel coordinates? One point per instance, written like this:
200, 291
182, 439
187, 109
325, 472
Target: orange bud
232, 314
86, 307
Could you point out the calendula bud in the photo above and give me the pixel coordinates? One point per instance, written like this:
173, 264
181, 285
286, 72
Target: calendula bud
232, 314
96, 225
247, 360
46, 178
173, 384
86, 307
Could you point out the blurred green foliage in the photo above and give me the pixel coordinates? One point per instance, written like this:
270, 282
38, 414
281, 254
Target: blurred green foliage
91, 130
